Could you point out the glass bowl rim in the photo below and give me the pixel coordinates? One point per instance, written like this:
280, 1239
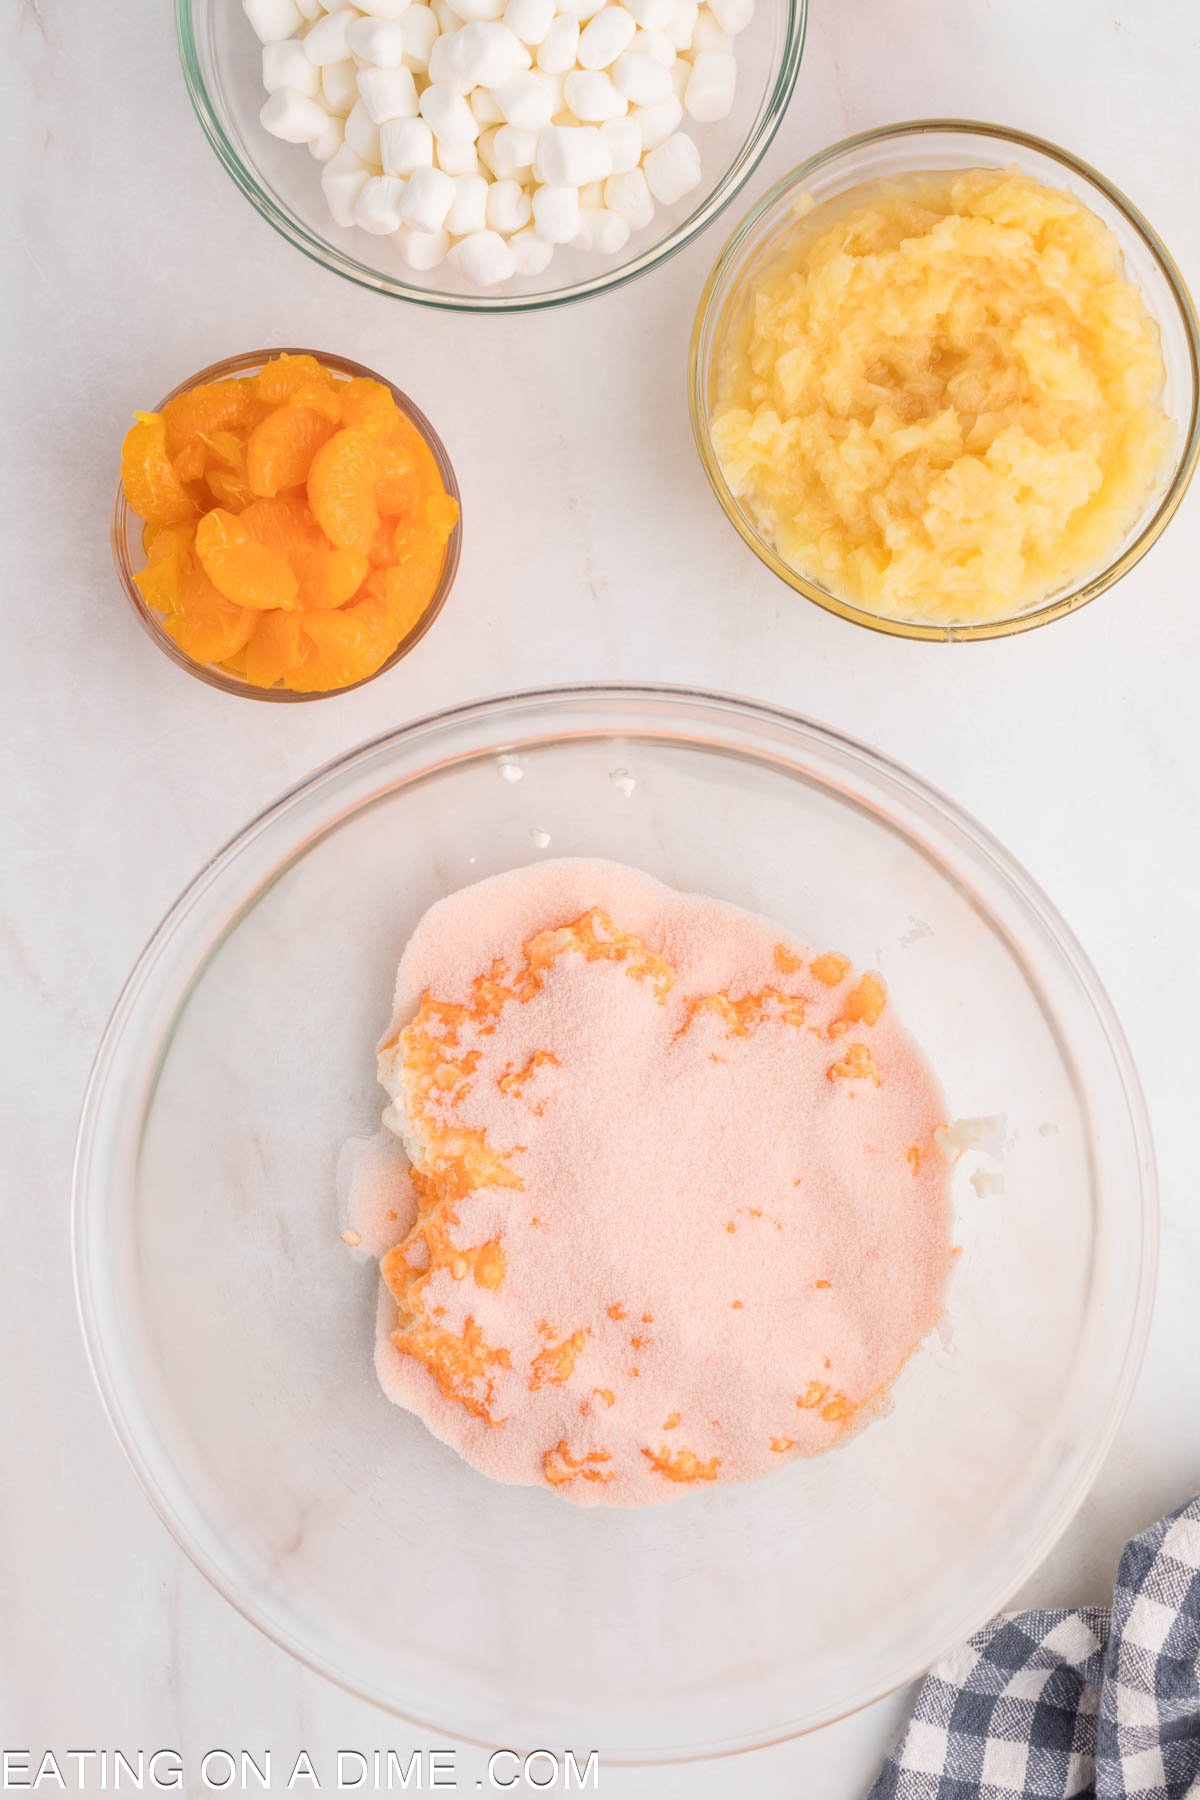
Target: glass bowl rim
296, 233
1076, 596
87, 1210
225, 368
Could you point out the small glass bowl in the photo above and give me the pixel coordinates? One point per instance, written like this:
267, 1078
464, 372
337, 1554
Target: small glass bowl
925, 145
222, 70
130, 557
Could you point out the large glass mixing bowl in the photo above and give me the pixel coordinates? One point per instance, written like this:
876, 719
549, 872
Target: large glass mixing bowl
231, 1333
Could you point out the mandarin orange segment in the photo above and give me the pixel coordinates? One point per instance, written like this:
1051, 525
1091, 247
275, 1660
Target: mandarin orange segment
208, 627
214, 406
286, 522
406, 590
341, 490
279, 379
225, 448
153, 489
329, 577
442, 513
192, 461
279, 452
228, 488
382, 551
277, 646
252, 574
159, 541
367, 406
159, 583
398, 486
320, 396
346, 645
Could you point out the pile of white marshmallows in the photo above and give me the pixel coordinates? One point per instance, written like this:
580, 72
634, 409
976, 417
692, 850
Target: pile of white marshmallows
489, 131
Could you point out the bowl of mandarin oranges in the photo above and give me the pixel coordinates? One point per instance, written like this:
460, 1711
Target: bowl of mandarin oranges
287, 524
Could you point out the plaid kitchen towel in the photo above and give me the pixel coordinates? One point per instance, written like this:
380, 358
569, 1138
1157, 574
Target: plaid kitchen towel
1103, 1702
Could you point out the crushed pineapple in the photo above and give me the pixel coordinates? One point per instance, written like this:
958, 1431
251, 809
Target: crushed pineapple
943, 401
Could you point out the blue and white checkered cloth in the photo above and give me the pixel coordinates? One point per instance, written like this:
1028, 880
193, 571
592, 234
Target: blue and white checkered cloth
1102, 1703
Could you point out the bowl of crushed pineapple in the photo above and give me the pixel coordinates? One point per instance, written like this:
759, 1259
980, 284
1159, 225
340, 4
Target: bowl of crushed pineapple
944, 381
287, 524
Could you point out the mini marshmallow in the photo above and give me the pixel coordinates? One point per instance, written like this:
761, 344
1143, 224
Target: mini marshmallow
456, 159
508, 207
709, 93
342, 181
487, 53
339, 86
652, 15
428, 197
604, 38
273, 20
513, 151
556, 52
530, 254
623, 138
525, 101
327, 40
388, 93
445, 58
447, 19
655, 44
482, 103
680, 73
629, 194
405, 145
601, 231
552, 87
447, 114
658, 122
362, 134
284, 65
377, 208
592, 194
673, 168
312, 9
709, 35
377, 42
732, 15
293, 117
422, 250
582, 10
556, 213
569, 155
592, 96
640, 79
483, 258
420, 30
330, 141
468, 209
682, 28
383, 9
529, 20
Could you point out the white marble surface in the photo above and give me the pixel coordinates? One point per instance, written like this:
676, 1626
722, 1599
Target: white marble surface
595, 550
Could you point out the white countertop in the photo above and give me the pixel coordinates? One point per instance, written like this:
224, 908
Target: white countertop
595, 551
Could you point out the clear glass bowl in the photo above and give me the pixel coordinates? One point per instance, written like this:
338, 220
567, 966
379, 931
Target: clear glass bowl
231, 1333
221, 65
130, 556
937, 145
